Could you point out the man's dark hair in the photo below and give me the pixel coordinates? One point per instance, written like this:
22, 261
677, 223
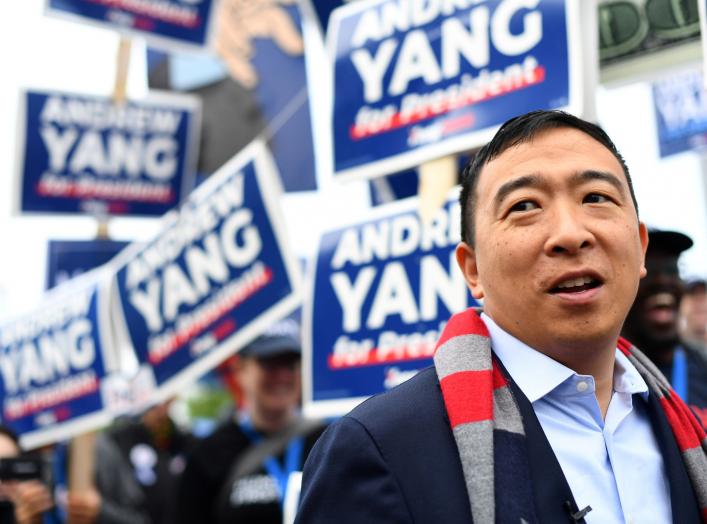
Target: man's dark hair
516, 131
696, 287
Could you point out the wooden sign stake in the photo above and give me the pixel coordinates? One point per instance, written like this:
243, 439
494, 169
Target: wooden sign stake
121, 71
81, 462
437, 178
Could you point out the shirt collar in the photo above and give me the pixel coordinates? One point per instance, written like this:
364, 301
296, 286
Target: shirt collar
627, 379
536, 374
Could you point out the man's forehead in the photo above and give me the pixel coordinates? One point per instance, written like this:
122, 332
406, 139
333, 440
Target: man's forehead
544, 150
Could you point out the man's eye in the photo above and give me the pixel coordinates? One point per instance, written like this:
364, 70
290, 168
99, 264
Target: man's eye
525, 205
596, 198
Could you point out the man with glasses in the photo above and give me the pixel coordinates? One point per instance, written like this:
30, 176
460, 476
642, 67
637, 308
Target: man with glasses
240, 473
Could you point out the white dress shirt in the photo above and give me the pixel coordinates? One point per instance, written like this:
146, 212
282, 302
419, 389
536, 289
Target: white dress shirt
613, 465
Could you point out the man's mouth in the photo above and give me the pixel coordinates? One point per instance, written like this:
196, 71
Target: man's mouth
666, 300
661, 308
576, 285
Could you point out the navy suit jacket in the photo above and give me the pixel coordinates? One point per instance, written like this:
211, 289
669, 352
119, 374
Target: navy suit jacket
393, 460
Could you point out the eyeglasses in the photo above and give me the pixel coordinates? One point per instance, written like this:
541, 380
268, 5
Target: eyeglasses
290, 362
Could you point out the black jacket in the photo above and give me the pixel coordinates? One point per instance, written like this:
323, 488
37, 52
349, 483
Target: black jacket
393, 460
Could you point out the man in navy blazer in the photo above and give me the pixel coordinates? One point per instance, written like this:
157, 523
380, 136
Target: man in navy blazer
535, 410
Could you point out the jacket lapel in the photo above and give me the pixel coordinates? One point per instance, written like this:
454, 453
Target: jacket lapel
550, 489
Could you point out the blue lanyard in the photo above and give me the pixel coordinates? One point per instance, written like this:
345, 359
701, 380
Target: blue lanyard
293, 457
59, 468
679, 381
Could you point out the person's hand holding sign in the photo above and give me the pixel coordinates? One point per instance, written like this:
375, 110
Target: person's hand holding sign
240, 21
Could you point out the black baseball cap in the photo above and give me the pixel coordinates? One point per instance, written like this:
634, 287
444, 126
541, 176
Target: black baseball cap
668, 242
281, 338
664, 249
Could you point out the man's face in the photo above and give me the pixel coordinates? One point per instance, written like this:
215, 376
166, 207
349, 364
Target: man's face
693, 309
559, 251
653, 319
271, 384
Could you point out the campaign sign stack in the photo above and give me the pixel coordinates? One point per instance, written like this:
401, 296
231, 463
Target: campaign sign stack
215, 277
165, 22
413, 81
88, 154
381, 291
54, 362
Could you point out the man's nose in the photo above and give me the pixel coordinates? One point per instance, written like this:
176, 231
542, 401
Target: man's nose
568, 231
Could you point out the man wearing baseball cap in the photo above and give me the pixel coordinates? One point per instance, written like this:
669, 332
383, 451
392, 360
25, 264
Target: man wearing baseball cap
653, 320
693, 315
240, 473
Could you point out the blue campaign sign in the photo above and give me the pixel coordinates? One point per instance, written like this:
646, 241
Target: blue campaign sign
242, 90
413, 81
681, 112
381, 291
167, 23
67, 259
54, 362
87, 154
217, 275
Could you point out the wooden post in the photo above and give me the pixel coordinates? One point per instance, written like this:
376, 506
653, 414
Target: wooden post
82, 448
437, 178
121, 70
119, 96
81, 462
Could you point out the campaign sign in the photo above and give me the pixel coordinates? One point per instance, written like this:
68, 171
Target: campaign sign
167, 23
381, 292
413, 80
241, 95
67, 259
216, 276
53, 362
681, 112
86, 154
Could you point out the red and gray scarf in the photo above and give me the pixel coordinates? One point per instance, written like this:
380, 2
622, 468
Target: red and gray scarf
466, 370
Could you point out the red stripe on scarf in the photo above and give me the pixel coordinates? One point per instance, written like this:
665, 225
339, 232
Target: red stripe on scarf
468, 396
688, 432
498, 379
624, 346
466, 323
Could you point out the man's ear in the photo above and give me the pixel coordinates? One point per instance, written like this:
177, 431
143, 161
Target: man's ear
643, 234
466, 259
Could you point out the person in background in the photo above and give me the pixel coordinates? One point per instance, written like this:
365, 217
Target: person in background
652, 323
156, 451
114, 498
240, 472
21, 502
693, 316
